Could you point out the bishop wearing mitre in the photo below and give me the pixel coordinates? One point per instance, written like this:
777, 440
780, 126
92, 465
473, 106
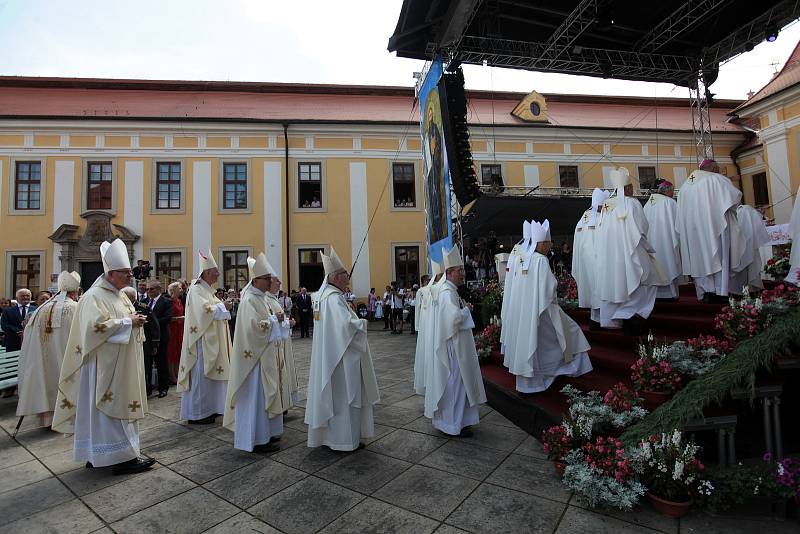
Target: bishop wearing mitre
453, 382
43, 346
513, 268
712, 245
661, 211
584, 255
101, 391
342, 387
424, 327
627, 274
262, 374
548, 342
206, 351
794, 233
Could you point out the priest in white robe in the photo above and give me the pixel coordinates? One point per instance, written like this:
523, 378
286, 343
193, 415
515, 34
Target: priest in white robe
507, 308
206, 351
453, 382
584, 256
794, 233
342, 387
43, 346
101, 390
549, 343
425, 327
627, 272
712, 246
261, 379
661, 211
754, 231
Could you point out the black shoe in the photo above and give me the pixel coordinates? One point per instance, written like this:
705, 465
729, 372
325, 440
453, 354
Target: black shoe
162, 393
149, 392
274, 439
206, 421
89, 465
465, 433
137, 465
266, 448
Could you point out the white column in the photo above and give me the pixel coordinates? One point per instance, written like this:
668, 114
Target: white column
779, 177
359, 221
134, 203
201, 211
531, 176
273, 216
63, 209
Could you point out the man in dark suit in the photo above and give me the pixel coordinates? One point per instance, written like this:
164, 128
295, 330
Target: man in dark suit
12, 320
304, 307
160, 306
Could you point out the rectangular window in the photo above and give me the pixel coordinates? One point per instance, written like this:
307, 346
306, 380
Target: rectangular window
403, 184
234, 182
26, 273
310, 268
647, 178
309, 188
491, 174
28, 185
99, 185
760, 189
234, 269
168, 185
168, 266
406, 266
568, 176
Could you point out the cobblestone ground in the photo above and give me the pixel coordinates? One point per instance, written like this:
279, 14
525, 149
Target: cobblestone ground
410, 478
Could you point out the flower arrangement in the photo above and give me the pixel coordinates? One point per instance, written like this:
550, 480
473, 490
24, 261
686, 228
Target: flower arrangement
601, 474
567, 292
749, 316
697, 356
670, 468
491, 301
621, 398
589, 414
488, 340
650, 374
557, 442
778, 266
787, 477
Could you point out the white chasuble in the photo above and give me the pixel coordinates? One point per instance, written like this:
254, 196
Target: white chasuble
205, 354
423, 322
627, 272
584, 258
101, 391
712, 246
754, 232
550, 343
507, 311
342, 387
661, 212
43, 348
453, 378
794, 234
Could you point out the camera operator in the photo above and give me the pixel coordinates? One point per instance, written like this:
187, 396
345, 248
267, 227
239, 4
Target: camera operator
142, 270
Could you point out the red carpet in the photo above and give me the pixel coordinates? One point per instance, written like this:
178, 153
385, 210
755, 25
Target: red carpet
612, 355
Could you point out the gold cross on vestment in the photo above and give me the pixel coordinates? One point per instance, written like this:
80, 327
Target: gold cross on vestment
108, 397
263, 326
220, 370
66, 404
209, 309
192, 329
99, 328
183, 368
78, 349
585, 217
134, 406
247, 354
652, 200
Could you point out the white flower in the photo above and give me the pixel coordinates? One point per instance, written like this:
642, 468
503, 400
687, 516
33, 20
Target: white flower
677, 473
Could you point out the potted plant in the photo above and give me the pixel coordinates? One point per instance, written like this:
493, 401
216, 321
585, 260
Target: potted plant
655, 380
488, 341
778, 266
556, 444
672, 472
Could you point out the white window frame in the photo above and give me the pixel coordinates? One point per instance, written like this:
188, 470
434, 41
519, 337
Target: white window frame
44, 276
294, 261
170, 250
568, 164
12, 186
479, 177
418, 200
221, 250
221, 186
394, 245
639, 173
85, 184
323, 186
154, 209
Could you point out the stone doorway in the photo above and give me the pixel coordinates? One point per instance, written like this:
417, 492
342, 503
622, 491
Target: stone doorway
90, 271
79, 249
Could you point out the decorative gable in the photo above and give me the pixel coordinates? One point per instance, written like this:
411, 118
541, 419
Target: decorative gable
532, 108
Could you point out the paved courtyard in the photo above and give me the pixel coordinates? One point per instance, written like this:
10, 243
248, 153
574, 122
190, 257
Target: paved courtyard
410, 478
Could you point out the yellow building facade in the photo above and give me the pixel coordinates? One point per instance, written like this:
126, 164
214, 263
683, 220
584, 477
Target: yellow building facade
171, 186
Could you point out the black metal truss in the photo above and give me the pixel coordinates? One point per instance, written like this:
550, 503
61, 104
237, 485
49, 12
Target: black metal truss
581, 18
677, 22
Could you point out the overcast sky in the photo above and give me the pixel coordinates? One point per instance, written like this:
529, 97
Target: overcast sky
315, 41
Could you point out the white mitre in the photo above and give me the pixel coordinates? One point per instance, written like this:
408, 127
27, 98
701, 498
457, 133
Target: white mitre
620, 177
69, 281
540, 231
115, 256
598, 197
332, 263
452, 258
206, 262
260, 267
436, 268
526, 234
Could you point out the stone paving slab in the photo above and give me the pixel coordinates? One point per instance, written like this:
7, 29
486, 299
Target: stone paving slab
410, 478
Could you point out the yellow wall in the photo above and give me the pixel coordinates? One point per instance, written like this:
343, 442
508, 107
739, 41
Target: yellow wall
218, 142
12, 140
117, 141
151, 141
374, 143
333, 143
180, 141
252, 142
508, 146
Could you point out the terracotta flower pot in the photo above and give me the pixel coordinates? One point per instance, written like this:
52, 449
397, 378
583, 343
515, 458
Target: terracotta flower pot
654, 399
560, 467
669, 508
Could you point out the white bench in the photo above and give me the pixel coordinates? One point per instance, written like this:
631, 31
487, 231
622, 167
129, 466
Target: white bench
9, 367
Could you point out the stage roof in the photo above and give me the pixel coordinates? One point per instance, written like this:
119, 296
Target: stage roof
662, 41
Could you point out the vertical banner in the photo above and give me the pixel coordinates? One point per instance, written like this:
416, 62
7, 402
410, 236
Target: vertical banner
435, 168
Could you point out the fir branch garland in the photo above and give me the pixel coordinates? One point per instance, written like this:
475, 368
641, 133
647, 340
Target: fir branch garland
739, 367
